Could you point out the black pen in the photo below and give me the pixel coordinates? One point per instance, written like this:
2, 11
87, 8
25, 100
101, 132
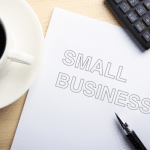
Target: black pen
133, 138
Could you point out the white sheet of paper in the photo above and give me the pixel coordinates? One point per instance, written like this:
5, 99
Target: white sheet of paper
69, 107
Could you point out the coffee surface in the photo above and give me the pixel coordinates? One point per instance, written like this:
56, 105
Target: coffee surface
2, 39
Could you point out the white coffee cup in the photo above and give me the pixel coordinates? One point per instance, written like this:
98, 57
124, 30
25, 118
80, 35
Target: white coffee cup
9, 52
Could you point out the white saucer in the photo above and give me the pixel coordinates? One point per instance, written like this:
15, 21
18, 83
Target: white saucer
29, 38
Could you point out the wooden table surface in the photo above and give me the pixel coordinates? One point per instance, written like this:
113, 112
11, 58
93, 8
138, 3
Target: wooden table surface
98, 9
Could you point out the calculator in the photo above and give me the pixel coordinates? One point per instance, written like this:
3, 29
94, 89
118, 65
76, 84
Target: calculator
135, 15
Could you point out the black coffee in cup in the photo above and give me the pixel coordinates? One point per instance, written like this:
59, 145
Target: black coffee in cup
2, 39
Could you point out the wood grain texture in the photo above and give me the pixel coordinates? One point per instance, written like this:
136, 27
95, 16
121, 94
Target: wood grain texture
98, 9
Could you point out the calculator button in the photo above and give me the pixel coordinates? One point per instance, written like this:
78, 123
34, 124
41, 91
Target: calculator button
147, 4
133, 2
146, 36
140, 10
132, 17
146, 20
124, 8
139, 27
117, 1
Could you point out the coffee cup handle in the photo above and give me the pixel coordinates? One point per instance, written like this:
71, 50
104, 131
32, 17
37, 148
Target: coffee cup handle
20, 57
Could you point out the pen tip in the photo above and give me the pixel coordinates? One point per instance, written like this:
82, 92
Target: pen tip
116, 114
122, 122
